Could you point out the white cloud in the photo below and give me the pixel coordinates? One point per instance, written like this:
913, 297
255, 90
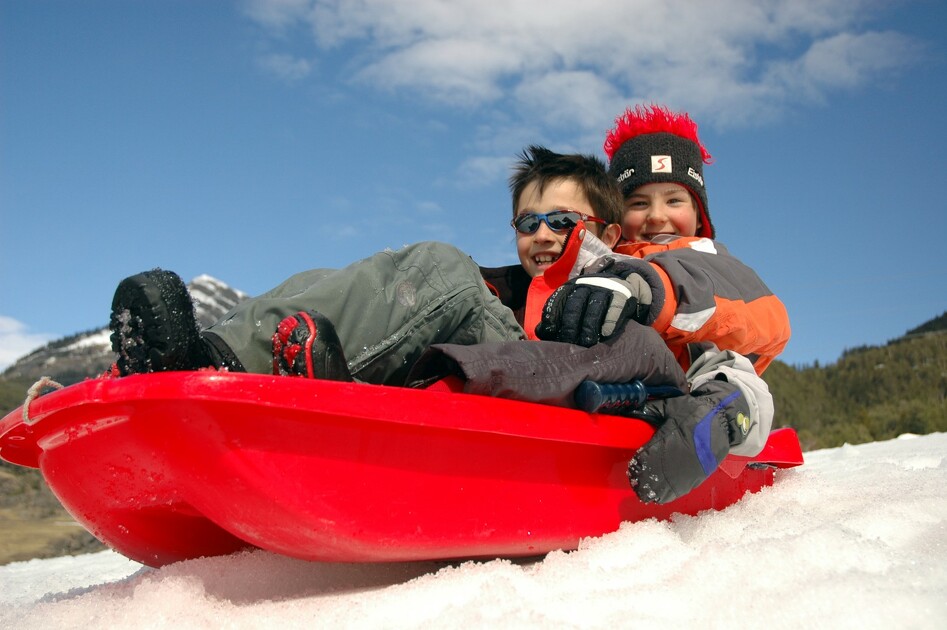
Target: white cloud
558, 72
459, 71
569, 98
570, 67
16, 341
850, 60
476, 171
277, 15
286, 67
429, 208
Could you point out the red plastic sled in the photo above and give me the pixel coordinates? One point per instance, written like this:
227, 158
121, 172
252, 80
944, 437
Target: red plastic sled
165, 467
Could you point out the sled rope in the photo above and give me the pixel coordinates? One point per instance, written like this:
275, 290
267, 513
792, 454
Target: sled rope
35, 392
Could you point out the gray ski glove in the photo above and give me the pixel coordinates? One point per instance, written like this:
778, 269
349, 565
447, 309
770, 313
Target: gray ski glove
594, 307
696, 433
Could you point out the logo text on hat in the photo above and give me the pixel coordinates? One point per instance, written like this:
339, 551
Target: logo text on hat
661, 164
695, 175
625, 174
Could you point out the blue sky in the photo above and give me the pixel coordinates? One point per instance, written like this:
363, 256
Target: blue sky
251, 140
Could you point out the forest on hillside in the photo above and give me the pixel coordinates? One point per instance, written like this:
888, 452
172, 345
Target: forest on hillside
871, 393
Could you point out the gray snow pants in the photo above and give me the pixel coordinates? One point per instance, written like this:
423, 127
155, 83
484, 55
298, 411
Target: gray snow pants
387, 309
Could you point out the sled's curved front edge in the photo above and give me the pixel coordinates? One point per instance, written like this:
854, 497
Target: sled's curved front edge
21, 428
439, 406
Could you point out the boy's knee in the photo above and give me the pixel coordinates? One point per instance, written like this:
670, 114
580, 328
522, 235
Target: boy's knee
443, 252
454, 266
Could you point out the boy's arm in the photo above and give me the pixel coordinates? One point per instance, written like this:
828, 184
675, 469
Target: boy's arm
697, 294
736, 369
710, 296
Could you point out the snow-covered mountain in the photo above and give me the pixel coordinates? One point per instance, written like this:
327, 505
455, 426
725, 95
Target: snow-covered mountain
74, 358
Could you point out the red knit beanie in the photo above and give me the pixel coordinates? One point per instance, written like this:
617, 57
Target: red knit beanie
653, 144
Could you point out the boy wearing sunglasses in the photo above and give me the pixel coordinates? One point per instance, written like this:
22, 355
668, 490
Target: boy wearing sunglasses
371, 321
550, 200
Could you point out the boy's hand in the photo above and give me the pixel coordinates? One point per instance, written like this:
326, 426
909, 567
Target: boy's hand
697, 433
590, 308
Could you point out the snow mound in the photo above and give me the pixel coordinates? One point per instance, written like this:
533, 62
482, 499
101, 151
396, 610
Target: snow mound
854, 538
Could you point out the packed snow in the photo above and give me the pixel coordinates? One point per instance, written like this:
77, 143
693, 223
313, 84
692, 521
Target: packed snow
855, 538
99, 339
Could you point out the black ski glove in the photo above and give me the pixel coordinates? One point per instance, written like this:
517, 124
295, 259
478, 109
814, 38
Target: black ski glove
696, 434
590, 308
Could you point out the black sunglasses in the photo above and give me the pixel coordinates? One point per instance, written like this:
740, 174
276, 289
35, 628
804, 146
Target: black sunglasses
557, 221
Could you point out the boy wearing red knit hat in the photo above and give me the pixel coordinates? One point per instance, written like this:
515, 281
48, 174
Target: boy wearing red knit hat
699, 292
714, 313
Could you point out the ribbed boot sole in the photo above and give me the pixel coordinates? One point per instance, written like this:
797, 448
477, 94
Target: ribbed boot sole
153, 324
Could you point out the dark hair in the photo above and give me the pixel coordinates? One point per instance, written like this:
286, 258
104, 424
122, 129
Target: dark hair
540, 165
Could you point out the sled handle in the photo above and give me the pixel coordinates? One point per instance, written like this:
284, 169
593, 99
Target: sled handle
33, 393
619, 398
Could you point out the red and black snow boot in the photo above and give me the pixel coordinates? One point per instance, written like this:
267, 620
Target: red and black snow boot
306, 344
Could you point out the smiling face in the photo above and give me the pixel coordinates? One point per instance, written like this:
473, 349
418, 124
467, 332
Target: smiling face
659, 208
537, 251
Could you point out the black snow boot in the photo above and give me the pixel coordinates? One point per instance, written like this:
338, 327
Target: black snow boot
306, 344
153, 325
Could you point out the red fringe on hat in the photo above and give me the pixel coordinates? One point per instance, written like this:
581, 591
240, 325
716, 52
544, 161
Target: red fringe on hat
652, 119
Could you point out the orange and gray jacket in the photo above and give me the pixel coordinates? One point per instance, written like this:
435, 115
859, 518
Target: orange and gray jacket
701, 295
710, 297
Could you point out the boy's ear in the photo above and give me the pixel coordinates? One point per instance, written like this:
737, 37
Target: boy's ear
611, 234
